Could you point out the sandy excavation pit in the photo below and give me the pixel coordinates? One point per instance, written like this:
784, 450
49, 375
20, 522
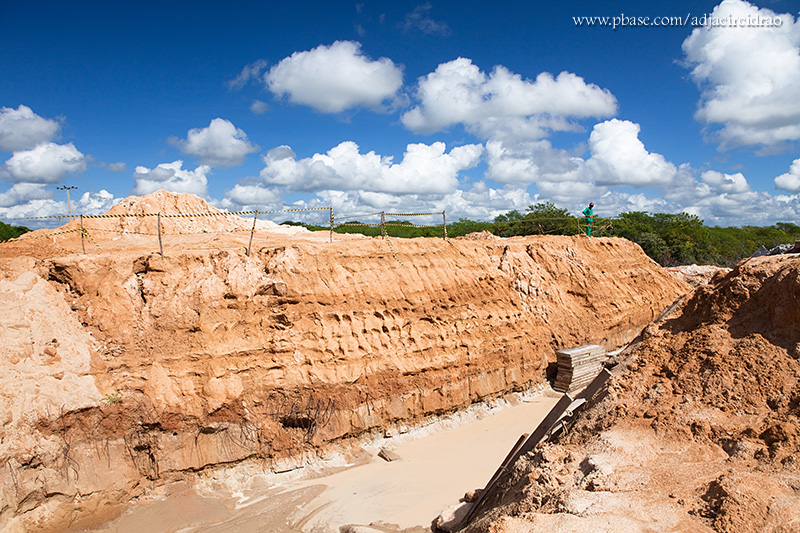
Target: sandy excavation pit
433, 463
124, 371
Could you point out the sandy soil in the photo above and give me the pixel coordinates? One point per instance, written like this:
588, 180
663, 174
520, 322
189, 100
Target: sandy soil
123, 370
437, 465
700, 430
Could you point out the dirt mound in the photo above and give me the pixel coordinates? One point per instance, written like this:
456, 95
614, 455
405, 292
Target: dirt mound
479, 236
180, 214
701, 428
131, 368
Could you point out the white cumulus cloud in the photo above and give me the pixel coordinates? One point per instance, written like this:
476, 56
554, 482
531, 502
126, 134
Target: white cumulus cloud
335, 78
22, 129
528, 162
220, 144
620, 158
725, 183
45, 163
95, 203
171, 177
458, 92
726, 199
249, 193
35, 200
479, 202
616, 158
20, 193
425, 169
790, 181
749, 76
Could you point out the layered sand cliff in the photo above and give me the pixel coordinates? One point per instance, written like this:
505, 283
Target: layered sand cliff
122, 368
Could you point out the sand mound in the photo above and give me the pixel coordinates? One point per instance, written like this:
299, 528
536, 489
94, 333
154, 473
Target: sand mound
479, 236
700, 430
135, 216
181, 214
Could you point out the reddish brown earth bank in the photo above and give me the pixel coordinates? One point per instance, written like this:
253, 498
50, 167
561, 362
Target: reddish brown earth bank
121, 369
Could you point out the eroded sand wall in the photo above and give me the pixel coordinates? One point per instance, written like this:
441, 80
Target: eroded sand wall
212, 357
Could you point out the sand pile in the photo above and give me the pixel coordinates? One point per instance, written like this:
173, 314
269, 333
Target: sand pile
181, 214
701, 429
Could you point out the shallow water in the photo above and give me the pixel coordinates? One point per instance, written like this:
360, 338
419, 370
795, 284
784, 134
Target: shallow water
437, 465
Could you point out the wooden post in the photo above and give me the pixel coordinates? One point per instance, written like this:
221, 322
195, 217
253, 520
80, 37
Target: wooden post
160, 247
489, 489
331, 239
525, 445
252, 230
83, 244
444, 224
383, 227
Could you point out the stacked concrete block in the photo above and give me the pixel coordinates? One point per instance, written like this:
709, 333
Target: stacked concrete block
577, 367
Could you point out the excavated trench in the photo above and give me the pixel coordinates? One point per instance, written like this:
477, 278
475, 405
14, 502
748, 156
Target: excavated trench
147, 370
427, 474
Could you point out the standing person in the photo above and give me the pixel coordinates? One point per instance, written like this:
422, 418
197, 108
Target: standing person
589, 214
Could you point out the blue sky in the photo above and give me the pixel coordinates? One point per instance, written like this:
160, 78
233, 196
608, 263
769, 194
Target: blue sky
470, 107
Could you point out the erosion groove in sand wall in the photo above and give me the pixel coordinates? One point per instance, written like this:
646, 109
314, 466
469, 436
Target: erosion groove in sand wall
212, 357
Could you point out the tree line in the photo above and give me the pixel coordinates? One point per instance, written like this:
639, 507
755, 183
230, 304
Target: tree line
11, 232
669, 239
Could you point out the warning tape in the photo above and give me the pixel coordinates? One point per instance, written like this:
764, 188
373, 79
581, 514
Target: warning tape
358, 216
393, 224
413, 225
90, 238
59, 217
130, 232
389, 242
176, 215
23, 238
356, 224
122, 231
410, 214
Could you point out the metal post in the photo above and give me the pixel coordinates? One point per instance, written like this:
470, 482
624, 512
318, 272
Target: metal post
444, 224
331, 239
383, 227
160, 247
83, 245
255, 217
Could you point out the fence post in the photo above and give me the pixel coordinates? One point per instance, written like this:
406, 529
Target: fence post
383, 227
331, 238
444, 224
252, 230
160, 247
83, 244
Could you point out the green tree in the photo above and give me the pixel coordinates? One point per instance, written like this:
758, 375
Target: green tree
539, 219
11, 232
465, 226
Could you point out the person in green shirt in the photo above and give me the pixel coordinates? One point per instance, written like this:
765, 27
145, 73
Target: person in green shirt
589, 214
